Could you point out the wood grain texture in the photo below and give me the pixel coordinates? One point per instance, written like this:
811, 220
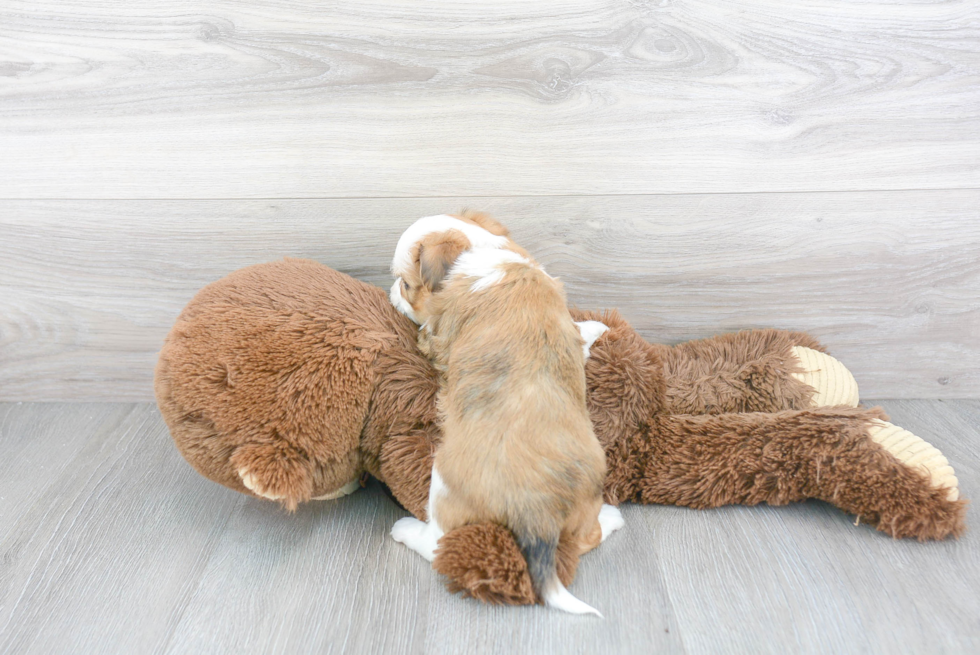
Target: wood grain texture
22, 429
889, 280
117, 546
105, 554
270, 98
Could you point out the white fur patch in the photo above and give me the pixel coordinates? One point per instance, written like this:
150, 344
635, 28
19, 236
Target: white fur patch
422, 537
479, 238
590, 331
610, 520
562, 599
400, 303
484, 264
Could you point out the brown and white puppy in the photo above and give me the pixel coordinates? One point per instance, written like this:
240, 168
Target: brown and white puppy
518, 447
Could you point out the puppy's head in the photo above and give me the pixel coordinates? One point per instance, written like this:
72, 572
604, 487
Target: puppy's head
427, 251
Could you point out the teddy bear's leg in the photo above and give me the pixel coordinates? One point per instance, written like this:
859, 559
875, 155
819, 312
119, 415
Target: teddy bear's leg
749, 371
832, 383
848, 457
406, 466
484, 562
754, 371
917, 453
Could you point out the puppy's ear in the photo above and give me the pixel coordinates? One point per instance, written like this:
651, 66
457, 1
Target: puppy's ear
486, 221
438, 253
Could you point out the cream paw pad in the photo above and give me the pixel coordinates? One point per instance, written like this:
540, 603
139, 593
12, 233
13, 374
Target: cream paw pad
345, 490
252, 484
916, 453
833, 383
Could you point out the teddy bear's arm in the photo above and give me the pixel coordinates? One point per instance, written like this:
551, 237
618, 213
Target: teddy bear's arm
749, 371
753, 371
406, 467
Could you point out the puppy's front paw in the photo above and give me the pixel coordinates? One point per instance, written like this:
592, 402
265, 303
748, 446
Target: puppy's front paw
420, 537
610, 520
407, 530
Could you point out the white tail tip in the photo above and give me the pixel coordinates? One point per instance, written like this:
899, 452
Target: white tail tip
561, 599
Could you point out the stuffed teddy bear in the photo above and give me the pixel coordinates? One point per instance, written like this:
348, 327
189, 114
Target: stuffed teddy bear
290, 381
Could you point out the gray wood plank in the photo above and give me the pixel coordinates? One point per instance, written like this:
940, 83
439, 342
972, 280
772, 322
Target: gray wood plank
325, 579
103, 559
888, 280
281, 99
63, 429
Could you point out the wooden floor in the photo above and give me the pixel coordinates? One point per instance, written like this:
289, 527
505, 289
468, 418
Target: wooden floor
111, 543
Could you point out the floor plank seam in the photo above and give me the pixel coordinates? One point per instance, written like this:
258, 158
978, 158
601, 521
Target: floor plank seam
487, 196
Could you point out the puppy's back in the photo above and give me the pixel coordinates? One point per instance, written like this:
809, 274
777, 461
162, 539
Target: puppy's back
517, 429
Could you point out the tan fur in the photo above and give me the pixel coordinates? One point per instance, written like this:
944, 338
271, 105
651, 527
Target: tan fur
518, 447
431, 259
434, 254
516, 432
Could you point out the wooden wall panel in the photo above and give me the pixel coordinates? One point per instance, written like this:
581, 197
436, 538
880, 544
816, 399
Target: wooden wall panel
889, 280
270, 98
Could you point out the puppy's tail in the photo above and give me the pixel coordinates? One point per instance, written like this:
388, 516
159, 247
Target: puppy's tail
540, 555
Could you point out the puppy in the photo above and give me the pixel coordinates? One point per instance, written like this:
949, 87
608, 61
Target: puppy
518, 447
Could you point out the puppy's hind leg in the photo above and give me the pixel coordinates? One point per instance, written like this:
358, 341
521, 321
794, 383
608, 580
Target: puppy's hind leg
610, 519
422, 537
593, 524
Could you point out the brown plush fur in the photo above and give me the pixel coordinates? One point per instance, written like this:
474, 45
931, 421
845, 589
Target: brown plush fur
272, 369
311, 378
483, 561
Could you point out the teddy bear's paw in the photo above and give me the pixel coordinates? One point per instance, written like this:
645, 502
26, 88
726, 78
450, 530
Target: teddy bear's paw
345, 490
916, 453
253, 484
610, 520
832, 382
418, 536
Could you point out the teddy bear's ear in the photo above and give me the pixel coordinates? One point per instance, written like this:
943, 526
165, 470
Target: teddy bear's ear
437, 253
486, 221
